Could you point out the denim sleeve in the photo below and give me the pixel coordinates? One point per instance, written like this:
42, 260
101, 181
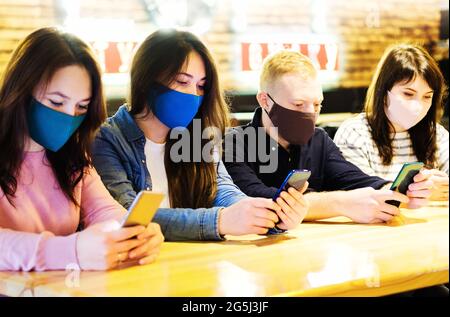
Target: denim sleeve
176, 223
227, 192
108, 164
179, 224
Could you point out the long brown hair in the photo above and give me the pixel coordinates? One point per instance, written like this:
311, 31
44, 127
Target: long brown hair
157, 61
403, 63
34, 62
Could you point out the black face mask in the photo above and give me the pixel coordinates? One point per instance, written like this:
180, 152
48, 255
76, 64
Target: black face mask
294, 126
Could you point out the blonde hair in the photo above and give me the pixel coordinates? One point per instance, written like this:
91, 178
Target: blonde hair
282, 63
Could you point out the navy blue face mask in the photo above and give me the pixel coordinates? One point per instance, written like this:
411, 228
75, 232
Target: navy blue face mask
50, 128
174, 108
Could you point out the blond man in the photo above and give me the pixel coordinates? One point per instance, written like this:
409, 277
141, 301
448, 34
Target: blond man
290, 97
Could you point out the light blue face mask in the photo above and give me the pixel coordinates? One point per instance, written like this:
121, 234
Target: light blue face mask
174, 108
51, 128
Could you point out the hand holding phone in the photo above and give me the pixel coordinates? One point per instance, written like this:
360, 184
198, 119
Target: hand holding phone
295, 179
142, 243
404, 178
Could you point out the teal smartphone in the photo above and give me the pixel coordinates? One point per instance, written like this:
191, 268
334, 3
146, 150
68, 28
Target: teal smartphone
404, 178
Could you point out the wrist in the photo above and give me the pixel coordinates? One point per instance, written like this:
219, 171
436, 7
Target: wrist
326, 205
220, 221
77, 252
340, 203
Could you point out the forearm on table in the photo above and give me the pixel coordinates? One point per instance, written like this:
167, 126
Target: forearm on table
330, 204
324, 205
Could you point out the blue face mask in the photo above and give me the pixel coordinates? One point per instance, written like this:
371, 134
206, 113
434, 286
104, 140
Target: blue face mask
51, 128
174, 108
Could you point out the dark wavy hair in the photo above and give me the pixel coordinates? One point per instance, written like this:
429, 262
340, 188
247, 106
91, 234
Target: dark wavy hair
402, 64
157, 61
34, 62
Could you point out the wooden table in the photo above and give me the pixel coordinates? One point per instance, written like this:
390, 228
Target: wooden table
327, 258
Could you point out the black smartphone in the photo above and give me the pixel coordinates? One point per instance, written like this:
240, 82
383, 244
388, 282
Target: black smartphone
296, 179
404, 178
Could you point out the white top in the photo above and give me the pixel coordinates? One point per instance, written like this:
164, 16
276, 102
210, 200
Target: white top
154, 156
356, 144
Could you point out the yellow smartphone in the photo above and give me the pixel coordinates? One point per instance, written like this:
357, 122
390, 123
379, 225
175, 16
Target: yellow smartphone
143, 209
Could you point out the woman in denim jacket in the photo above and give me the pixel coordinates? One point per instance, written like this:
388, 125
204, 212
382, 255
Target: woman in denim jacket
174, 91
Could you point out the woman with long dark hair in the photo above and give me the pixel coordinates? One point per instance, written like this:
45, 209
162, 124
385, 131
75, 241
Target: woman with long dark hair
403, 108
174, 93
51, 105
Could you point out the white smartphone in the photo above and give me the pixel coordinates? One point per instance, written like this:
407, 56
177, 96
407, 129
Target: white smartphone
143, 209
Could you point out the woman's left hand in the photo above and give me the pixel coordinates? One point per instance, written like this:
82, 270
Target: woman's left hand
419, 192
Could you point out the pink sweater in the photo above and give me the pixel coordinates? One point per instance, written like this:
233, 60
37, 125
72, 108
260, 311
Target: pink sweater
39, 232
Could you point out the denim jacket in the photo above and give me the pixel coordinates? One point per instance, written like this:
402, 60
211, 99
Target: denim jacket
118, 156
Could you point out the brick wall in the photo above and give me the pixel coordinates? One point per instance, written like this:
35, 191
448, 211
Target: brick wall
18, 18
363, 29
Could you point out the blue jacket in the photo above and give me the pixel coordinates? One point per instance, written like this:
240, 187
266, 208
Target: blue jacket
118, 156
